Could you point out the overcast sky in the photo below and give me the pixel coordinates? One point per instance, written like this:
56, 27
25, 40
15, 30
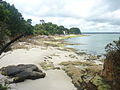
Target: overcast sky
88, 15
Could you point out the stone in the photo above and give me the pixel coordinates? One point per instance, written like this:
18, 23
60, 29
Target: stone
22, 72
48, 65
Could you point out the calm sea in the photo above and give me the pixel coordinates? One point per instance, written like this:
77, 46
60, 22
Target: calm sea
93, 43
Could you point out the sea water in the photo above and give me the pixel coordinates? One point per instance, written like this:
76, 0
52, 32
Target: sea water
92, 43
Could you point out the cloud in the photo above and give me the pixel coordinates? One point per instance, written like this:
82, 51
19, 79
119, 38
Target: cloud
113, 4
89, 15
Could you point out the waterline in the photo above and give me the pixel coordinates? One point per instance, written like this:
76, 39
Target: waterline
93, 43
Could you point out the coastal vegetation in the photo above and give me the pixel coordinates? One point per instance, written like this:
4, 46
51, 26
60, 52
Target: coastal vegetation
111, 70
13, 26
46, 41
53, 29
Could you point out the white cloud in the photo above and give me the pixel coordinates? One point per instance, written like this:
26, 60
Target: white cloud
89, 15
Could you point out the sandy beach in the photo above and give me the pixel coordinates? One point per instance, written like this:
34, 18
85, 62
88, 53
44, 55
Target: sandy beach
55, 79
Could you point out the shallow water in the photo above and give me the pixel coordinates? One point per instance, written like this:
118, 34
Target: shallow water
93, 43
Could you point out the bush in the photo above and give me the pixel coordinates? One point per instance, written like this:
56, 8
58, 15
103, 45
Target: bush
113, 52
111, 70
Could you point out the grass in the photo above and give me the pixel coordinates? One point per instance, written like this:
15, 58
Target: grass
68, 36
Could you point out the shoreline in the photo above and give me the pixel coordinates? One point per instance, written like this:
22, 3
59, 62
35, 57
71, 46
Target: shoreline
35, 50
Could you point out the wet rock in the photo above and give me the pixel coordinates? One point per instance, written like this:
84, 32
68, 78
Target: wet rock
22, 72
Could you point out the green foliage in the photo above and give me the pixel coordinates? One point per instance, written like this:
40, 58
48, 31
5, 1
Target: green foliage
113, 51
113, 55
52, 29
12, 24
74, 31
113, 59
13, 20
40, 29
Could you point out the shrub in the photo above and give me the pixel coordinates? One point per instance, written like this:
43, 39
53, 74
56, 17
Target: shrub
111, 70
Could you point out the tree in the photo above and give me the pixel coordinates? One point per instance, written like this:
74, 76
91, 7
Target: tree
12, 25
52, 29
74, 30
60, 30
111, 70
40, 29
42, 21
29, 21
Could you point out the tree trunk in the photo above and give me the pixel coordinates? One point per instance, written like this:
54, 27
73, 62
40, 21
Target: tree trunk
9, 43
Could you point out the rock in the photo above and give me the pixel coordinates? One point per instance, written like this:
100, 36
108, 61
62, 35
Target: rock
98, 56
57, 68
48, 65
9, 71
82, 73
22, 72
75, 74
72, 56
28, 75
92, 57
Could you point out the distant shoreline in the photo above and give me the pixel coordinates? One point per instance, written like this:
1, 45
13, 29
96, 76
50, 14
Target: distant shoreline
100, 32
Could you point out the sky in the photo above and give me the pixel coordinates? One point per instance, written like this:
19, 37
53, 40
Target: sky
88, 15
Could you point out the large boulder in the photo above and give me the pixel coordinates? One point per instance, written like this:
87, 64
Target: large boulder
22, 72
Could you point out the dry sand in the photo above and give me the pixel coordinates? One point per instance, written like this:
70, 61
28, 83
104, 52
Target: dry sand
54, 80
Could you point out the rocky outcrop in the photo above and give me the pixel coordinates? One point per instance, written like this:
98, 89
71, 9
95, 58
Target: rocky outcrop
22, 72
86, 81
85, 75
48, 65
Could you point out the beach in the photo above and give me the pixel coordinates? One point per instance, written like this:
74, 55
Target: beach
29, 53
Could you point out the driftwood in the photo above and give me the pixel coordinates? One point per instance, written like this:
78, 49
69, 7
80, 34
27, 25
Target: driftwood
9, 43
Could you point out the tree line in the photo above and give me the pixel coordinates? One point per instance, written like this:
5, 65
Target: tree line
52, 29
13, 26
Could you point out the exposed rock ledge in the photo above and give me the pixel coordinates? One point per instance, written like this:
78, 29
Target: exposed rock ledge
22, 72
